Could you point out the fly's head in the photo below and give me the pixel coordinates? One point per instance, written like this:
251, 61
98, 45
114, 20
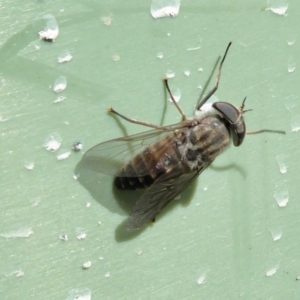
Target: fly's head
234, 118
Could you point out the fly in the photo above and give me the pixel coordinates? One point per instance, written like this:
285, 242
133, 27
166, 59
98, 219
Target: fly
166, 160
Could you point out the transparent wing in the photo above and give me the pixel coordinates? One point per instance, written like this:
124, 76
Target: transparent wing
158, 195
110, 156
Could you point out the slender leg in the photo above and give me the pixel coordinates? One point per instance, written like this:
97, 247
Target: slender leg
218, 80
183, 117
111, 110
266, 130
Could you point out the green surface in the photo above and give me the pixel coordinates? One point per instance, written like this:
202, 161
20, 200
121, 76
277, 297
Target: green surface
223, 230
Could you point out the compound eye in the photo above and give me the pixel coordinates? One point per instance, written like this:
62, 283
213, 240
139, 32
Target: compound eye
235, 119
230, 112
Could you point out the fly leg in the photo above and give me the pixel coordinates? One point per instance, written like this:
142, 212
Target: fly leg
183, 117
111, 110
218, 80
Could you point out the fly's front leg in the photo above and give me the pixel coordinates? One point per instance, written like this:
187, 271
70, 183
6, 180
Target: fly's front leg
111, 110
183, 117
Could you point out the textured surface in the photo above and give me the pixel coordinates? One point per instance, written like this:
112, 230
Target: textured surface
222, 231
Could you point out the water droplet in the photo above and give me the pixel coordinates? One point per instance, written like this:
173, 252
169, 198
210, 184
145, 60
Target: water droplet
282, 197
88, 204
276, 234
176, 94
280, 160
64, 57
295, 126
79, 294
80, 233
201, 279
64, 154
164, 8
60, 84
291, 41
87, 265
278, 7
77, 147
160, 55
187, 72
193, 48
200, 69
63, 237
107, 275
170, 74
53, 142
29, 165
107, 20
271, 271
116, 57
291, 65
59, 99
19, 233
51, 30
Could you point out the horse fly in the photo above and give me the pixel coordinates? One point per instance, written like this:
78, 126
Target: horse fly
166, 160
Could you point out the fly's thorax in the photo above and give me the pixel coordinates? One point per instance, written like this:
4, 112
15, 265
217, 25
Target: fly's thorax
204, 142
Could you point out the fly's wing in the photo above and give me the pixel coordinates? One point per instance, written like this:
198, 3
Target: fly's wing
110, 156
158, 195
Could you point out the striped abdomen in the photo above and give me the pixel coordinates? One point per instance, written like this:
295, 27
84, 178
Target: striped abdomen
186, 149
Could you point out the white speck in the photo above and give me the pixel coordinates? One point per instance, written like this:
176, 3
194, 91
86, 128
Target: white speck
64, 57
35, 202
187, 72
170, 74
107, 20
29, 165
80, 233
160, 55
107, 275
201, 279
176, 94
60, 84
17, 273
200, 87
298, 277
59, 99
87, 265
116, 57
79, 294
193, 48
200, 69
278, 7
205, 188
52, 142
101, 258
51, 30
164, 8
20, 233
295, 126
282, 198
271, 271
88, 204
76, 176
63, 155
276, 234
169, 34
282, 166
36, 47
63, 237
139, 251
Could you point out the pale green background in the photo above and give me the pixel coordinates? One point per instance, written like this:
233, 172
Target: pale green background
224, 229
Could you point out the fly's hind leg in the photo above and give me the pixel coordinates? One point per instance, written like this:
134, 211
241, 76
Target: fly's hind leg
111, 110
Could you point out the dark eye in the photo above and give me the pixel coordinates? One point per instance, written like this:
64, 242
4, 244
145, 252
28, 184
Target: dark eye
235, 119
